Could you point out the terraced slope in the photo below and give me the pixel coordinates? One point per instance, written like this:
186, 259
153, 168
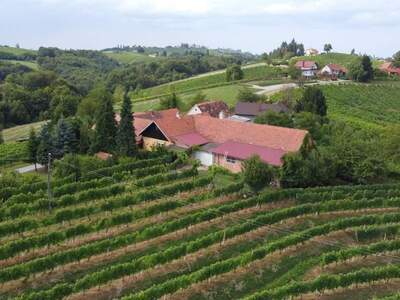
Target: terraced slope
156, 228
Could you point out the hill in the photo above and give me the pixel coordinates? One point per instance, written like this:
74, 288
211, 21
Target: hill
212, 83
336, 58
14, 55
151, 228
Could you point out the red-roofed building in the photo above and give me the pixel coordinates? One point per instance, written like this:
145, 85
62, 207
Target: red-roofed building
219, 141
215, 109
334, 71
308, 67
388, 68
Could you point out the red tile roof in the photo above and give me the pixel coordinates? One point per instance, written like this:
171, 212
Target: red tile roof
338, 68
223, 130
305, 64
191, 139
213, 108
244, 151
103, 155
389, 68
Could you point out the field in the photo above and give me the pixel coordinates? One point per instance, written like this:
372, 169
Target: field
125, 57
31, 64
208, 81
154, 228
336, 58
16, 51
11, 153
21, 132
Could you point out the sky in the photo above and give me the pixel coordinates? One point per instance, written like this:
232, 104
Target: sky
257, 26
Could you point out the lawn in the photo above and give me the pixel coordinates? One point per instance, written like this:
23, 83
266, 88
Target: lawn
214, 79
31, 64
336, 58
126, 57
20, 132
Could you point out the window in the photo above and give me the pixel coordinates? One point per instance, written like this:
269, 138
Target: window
230, 159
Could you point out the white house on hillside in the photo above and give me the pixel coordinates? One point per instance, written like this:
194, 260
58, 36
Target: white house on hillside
308, 68
312, 52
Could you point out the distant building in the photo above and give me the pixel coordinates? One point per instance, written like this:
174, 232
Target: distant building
215, 109
308, 68
250, 110
389, 69
312, 52
333, 71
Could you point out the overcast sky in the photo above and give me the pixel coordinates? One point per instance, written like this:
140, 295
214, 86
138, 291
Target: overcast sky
369, 26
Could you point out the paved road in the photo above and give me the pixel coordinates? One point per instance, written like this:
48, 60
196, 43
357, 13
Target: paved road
272, 89
29, 168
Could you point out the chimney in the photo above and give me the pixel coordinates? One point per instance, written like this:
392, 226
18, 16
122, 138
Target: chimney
221, 115
178, 116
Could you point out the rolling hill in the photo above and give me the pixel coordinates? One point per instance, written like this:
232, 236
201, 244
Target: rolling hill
152, 228
336, 58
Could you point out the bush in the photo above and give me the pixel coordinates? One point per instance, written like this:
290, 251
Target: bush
256, 173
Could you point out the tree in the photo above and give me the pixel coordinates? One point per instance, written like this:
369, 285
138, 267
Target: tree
294, 73
89, 105
361, 70
105, 127
126, 139
328, 48
234, 72
310, 122
246, 94
33, 144
274, 118
313, 101
45, 145
1, 137
353, 51
396, 59
171, 101
257, 174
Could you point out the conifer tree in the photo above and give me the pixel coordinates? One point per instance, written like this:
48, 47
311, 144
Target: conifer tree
105, 127
45, 145
33, 143
126, 140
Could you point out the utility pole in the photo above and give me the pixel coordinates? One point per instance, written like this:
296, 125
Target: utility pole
48, 179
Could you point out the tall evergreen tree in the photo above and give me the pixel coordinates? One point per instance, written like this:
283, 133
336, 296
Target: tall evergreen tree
45, 145
60, 138
126, 139
105, 127
313, 101
33, 143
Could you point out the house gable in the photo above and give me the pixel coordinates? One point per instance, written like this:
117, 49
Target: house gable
154, 132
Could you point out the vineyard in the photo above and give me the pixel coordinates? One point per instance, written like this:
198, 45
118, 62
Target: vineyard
158, 228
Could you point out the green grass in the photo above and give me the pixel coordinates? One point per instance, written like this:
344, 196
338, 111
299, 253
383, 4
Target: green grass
126, 57
20, 132
16, 51
12, 153
203, 81
337, 58
31, 64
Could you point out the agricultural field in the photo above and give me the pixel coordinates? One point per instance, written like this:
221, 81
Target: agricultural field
21, 132
336, 58
16, 51
208, 81
30, 64
157, 228
12, 153
126, 57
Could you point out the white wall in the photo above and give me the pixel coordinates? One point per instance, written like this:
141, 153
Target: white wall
205, 158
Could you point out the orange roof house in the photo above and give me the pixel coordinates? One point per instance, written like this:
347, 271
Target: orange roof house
389, 68
220, 141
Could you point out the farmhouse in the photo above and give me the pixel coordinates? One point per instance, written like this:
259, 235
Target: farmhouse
308, 67
215, 109
217, 141
333, 71
250, 110
388, 68
312, 52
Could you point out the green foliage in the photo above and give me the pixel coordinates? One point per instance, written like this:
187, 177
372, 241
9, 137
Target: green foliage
1, 137
105, 126
275, 118
288, 50
294, 73
126, 138
256, 173
361, 70
396, 59
313, 101
247, 95
33, 144
170, 101
45, 145
234, 73
328, 48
